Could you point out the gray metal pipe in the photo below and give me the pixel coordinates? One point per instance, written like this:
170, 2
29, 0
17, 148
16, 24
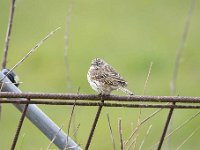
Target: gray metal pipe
41, 120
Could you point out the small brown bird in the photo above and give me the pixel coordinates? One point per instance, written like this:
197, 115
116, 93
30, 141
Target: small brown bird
104, 79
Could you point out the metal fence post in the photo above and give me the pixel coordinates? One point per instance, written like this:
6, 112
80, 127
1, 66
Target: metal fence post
41, 120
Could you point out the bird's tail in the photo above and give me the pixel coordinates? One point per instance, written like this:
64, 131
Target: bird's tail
126, 91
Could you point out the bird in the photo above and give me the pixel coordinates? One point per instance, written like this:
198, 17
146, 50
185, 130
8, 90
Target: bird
103, 78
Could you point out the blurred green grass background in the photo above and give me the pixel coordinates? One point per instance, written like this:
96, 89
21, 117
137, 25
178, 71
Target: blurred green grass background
127, 34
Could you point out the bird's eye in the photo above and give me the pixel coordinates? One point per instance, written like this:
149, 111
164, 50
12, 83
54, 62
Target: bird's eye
99, 63
102, 76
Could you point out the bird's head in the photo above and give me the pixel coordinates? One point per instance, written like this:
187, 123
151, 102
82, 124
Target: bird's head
97, 62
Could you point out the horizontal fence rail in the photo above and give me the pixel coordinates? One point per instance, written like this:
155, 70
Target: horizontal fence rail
94, 100
81, 97
100, 104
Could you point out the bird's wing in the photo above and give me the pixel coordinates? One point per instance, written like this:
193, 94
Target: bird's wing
109, 76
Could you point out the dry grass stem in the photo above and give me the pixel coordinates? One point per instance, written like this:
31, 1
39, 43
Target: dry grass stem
21, 144
134, 144
67, 66
76, 130
111, 132
120, 134
133, 141
70, 119
145, 137
141, 123
183, 124
31, 51
178, 59
181, 47
179, 127
8, 34
147, 78
7, 38
140, 110
49, 146
72, 147
66, 38
187, 138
